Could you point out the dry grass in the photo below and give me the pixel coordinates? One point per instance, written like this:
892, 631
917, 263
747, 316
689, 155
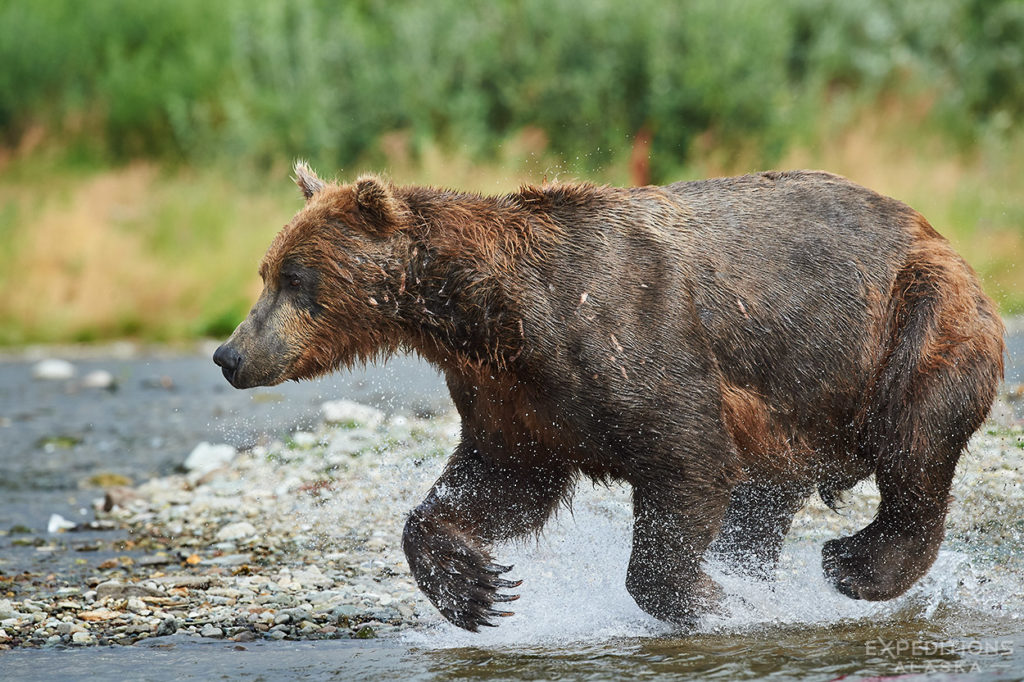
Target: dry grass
130, 252
167, 255
76, 265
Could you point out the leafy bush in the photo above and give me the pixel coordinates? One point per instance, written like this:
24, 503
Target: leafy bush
262, 81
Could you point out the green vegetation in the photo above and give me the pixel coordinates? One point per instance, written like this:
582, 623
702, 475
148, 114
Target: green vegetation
138, 140
266, 80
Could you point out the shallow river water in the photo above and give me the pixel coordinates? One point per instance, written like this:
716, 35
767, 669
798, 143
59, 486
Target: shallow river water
575, 621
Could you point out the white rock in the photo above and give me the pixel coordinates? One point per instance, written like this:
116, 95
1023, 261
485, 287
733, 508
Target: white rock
58, 524
3, 635
236, 531
53, 369
82, 638
312, 576
99, 378
7, 610
211, 630
348, 413
206, 457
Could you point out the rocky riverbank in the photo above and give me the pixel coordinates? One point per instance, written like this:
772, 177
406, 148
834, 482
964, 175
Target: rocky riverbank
293, 539
300, 538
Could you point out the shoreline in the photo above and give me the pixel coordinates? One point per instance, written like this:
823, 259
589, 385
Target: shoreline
299, 538
240, 545
294, 534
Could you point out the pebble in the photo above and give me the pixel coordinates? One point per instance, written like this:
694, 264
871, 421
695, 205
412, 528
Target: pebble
284, 542
116, 590
351, 414
100, 378
83, 638
167, 626
58, 523
154, 560
236, 531
230, 560
278, 599
343, 612
194, 582
8, 611
206, 457
53, 369
304, 439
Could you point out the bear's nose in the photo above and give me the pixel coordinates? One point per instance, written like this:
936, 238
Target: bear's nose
228, 359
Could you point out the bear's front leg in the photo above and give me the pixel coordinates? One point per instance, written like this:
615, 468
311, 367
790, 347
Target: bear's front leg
673, 526
477, 501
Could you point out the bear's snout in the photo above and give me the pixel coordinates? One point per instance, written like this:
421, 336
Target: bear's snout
228, 359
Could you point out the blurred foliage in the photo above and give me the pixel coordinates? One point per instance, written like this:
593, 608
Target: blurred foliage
260, 80
124, 123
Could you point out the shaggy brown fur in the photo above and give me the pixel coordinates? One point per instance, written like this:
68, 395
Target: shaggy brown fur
726, 347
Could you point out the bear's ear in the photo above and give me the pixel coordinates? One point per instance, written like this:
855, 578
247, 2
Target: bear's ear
307, 180
382, 212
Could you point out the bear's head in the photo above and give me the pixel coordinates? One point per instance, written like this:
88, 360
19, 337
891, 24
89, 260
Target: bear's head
329, 282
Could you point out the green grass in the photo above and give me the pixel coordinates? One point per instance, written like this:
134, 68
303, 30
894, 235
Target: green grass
144, 147
255, 81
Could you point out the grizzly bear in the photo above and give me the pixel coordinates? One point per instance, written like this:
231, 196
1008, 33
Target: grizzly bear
726, 347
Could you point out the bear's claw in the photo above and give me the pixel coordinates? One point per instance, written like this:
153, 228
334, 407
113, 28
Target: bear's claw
506, 597
457, 576
473, 607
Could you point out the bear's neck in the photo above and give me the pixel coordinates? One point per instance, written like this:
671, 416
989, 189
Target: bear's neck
466, 257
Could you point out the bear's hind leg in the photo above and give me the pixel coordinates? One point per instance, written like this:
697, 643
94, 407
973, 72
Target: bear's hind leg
933, 393
890, 554
755, 525
475, 502
914, 473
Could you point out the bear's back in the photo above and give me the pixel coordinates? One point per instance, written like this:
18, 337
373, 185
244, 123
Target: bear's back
777, 273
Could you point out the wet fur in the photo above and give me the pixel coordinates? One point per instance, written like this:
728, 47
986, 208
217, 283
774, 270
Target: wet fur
725, 346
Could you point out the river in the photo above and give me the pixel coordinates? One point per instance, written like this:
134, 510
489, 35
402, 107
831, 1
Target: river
575, 622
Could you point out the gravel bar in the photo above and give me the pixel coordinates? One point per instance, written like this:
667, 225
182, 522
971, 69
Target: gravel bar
300, 539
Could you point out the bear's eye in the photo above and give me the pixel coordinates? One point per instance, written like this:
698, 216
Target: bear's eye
295, 282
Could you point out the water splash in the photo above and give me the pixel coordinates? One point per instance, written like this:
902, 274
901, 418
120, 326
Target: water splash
574, 591
573, 582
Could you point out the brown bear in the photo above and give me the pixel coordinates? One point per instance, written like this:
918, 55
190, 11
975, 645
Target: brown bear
727, 347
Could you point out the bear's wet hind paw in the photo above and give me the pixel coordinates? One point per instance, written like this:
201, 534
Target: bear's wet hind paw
876, 565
